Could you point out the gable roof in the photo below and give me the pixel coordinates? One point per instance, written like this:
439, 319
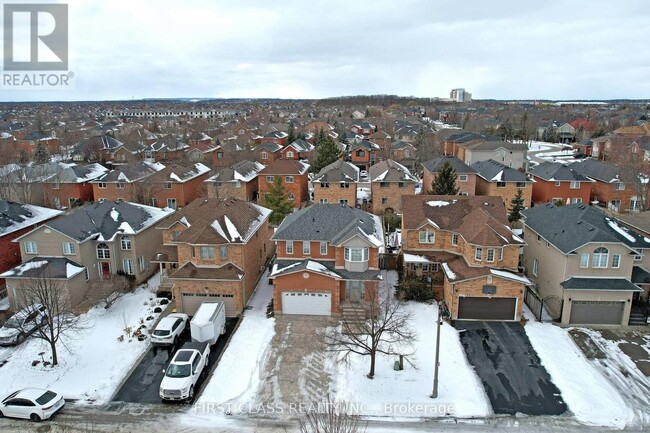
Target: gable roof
331, 222
128, 173
365, 144
399, 144
104, 220
270, 146
285, 166
491, 145
243, 171
179, 173
433, 165
555, 171
301, 145
494, 171
338, 171
17, 216
214, 221
390, 171
58, 172
572, 226
480, 220
598, 170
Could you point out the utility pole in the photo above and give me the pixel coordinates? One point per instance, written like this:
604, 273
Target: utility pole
434, 393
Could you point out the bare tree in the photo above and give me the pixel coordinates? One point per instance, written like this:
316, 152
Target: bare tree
331, 417
118, 286
387, 330
59, 320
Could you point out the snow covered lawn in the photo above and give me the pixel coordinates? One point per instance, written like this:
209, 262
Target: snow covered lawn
460, 391
92, 363
237, 377
590, 397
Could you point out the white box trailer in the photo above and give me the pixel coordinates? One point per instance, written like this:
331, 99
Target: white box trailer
208, 323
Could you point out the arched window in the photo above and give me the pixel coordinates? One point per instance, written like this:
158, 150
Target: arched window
600, 258
103, 252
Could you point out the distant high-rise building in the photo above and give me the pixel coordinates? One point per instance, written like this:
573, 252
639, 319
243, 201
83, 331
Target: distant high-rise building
460, 95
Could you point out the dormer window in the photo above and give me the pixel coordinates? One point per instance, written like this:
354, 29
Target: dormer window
427, 237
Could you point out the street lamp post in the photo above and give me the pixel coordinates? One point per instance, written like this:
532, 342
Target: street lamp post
434, 393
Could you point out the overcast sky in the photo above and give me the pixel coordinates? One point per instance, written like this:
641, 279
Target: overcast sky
501, 49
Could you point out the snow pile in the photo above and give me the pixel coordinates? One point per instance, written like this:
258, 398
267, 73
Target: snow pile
381, 177
72, 270
92, 363
317, 267
590, 397
460, 392
437, 203
217, 226
448, 272
232, 230
126, 228
115, 214
412, 258
174, 176
620, 230
510, 275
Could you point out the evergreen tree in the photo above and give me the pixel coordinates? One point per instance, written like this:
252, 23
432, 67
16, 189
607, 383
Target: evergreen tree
326, 153
276, 199
292, 133
320, 137
517, 207
40, 155
445, 181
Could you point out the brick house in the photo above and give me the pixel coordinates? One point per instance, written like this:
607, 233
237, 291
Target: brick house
89, 245
123, 183
298, 149
452, 140
496, 179
268, 152
167, 148
30, 141
15, 220
336, 183
381, 138
465, 248
214, 250
404, 153
364, 153
176, 184
609, 187
239, 181
582, 261
277, 137
556, 182
327, 260
465, 175
363, 128
294, 177
389, 181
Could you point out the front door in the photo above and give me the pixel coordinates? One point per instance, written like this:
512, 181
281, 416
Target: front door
105, 268
354, 291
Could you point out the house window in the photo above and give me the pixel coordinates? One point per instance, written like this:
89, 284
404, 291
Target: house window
462, 178
264, 155
345, 185
127, 266
291, 196
270, 179
600, 258
141, 263
323, 201
616, 261
478, 253
383, 184
154, 202
638, 256
31, 248
171, 203
167, 185
219, 155
558, 183
126, 242
619, 186
407, 153
87, 274
289, 154
400, 184
69, 249
55, 185
207, 253
584, 260
574, 185
236, 184
521, 184
323, 248
425, 267
324, 185
454, 239
535, 266
119, 185
175, 234
356, 254
576, 200
490, 254
306, 247
288, 179
289, 247
384, 200
361, 153
501, 184
223, 252
427, 237
500, 254
101, 185
103, 252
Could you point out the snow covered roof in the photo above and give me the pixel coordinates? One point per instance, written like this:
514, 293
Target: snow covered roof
16, 216
281, 267
243, 171
390, 171
179, 173
50, 267
338, 171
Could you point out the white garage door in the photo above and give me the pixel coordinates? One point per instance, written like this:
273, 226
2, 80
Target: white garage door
192, 301
312, 303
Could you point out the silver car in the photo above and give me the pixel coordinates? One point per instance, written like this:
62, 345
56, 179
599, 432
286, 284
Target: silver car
22, 324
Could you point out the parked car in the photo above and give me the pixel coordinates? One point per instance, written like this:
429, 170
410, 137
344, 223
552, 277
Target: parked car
184, 370
169, 330
32, 403
209, 322
22, 324
363, 174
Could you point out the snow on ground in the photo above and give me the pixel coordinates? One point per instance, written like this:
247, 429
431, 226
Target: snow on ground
237, 377
460, 391
591, 398
92, 363
536, 146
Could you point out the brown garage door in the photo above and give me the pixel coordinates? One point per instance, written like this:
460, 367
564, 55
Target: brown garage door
487, 308
192, 301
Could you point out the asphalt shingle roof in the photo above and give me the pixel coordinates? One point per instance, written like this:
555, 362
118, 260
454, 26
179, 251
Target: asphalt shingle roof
555, 171
494, 171
390, 171
598, 170
433, 164
618, 284
338, 171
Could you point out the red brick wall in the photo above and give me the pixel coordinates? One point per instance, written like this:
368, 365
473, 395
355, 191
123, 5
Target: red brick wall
299, 187
544, 191
469, 187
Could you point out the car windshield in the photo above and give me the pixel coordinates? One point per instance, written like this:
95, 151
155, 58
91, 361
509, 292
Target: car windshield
45, 398
176, 370
161, 332
13, 322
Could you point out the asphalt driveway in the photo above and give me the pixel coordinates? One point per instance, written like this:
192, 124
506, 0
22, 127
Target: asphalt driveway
143, 384
511, 372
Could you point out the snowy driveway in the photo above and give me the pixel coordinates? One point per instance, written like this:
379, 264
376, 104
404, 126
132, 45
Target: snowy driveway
511, 372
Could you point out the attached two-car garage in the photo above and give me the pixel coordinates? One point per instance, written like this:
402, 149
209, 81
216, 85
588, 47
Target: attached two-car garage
307, 303
483, 308
192, 301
